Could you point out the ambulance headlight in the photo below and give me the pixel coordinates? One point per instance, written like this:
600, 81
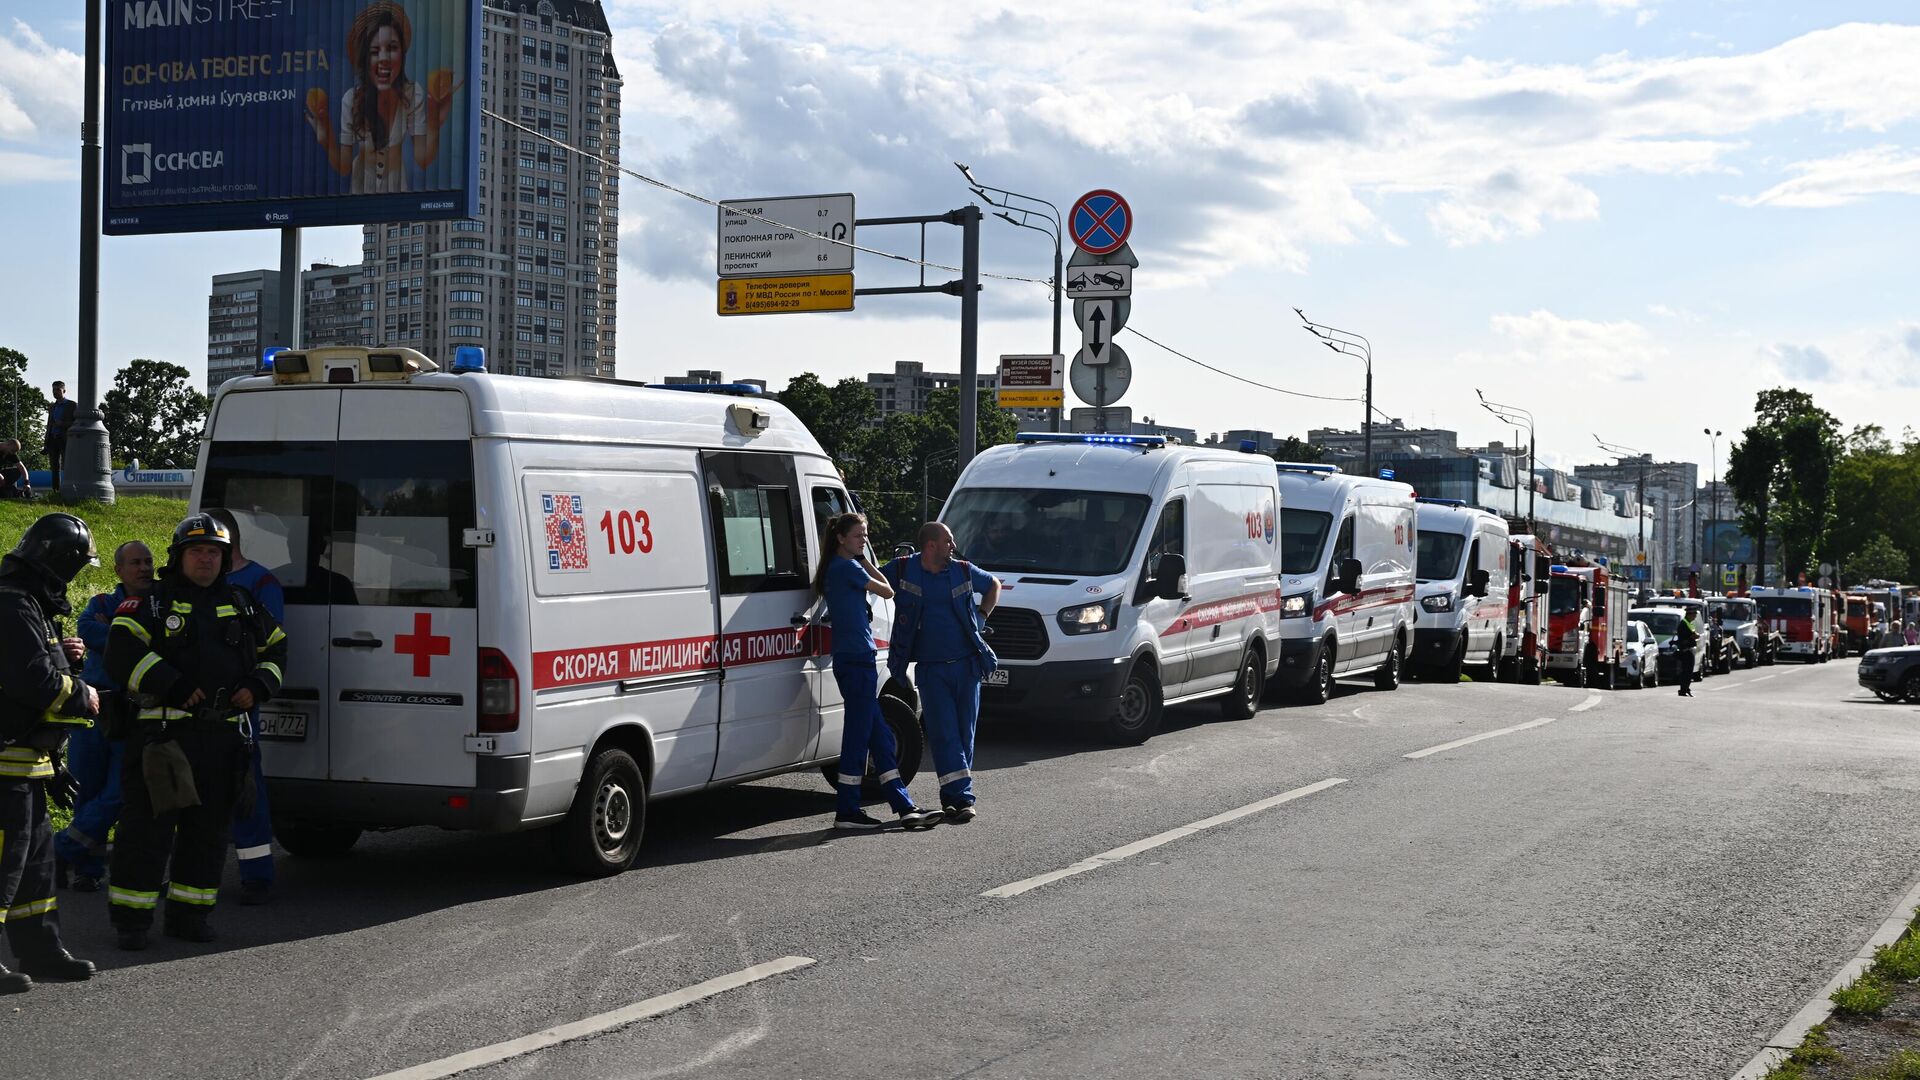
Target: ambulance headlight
1437, 602
1297, 606
1094, 618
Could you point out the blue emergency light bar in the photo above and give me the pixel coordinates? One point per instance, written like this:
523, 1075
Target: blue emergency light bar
1441, 502
739, 389
468, 359
266, 359
1149, 442
1301, 466
1556, 568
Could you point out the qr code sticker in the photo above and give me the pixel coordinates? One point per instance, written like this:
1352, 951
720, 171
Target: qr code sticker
566, 531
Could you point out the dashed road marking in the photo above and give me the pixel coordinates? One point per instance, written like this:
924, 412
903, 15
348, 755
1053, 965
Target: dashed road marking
1482, 736
1592, 700
595, 1025
1127, 851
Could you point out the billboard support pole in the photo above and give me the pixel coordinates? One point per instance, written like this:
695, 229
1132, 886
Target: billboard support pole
291, 294
88, 472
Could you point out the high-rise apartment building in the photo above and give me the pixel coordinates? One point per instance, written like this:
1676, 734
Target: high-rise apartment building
533, 279
243, 316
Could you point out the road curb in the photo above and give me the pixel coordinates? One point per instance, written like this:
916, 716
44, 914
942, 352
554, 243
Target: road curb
1820, 1007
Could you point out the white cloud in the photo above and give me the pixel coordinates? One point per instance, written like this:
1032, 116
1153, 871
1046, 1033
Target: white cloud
17, 167
1837, 181
1616, 349
1805, 363
40, 85
1508, 203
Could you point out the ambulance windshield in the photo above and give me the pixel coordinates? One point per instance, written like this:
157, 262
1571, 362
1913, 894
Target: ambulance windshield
1439, 555
1082, 533
1302, 534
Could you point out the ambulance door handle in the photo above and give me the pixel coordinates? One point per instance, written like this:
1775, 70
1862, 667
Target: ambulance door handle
797, 620
1216, 631
358, 642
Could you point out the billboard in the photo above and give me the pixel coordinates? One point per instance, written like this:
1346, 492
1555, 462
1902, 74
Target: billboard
258, 114
1723, 542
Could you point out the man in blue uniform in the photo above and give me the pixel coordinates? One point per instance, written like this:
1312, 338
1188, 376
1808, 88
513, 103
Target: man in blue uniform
94, 754
253, 832
940, 628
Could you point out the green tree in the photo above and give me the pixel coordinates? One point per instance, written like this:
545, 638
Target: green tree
1753, 469
25, 408
1782, 475
154, 415
1878, 559
838, 415
1294, 448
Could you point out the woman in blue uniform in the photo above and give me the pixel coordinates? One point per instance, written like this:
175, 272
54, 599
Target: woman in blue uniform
846, 578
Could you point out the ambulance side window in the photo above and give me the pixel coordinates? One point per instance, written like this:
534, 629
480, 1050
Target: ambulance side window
1342, 551
756, 522
830, 503
1169, 537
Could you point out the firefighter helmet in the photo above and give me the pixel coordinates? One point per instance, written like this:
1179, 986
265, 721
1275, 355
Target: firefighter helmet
58, 544
199, 529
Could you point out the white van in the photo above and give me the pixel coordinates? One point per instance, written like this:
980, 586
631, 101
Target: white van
1460, 583
516, 602
1347, 559
1133, 575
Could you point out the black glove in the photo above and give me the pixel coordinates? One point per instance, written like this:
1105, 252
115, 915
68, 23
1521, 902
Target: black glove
179, 692
63, 788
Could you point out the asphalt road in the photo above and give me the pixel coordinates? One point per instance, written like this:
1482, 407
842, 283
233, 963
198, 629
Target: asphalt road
1647, 887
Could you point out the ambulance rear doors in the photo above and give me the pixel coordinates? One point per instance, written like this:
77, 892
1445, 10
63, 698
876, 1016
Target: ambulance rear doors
359, 500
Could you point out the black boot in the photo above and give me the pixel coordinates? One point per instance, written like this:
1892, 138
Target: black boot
131, 938
14, 982
188, 928
58, 966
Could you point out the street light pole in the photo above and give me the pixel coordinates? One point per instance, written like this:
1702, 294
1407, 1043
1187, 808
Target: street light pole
1341, 341
1626, 451
1055, 232
1513, 414
1713, 454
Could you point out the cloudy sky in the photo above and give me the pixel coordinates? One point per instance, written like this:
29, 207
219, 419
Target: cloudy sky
1625, 215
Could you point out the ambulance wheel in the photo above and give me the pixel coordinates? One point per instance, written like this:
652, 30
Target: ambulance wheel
1450, 671
601, 834
1493, 660
1244, 699
1137, 716
1319, 689
1387, 675
310, 841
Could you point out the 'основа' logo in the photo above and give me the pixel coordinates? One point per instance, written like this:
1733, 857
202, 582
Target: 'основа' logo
138, 162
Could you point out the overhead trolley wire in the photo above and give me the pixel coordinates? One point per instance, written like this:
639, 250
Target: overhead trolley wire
907, 259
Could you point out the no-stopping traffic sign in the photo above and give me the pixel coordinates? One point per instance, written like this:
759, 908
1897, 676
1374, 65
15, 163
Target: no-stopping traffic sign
1100, 221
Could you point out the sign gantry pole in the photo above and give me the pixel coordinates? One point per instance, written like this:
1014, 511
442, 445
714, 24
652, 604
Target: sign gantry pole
87, 470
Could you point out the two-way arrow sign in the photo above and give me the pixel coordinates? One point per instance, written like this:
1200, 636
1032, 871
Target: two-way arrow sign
1096, 330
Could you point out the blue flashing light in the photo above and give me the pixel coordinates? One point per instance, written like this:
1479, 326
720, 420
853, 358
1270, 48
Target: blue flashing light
1145, 442
1386, 474
1442, 502
469, 358
1300, 466
1248, 446
1556, 568
738, 389
266, 358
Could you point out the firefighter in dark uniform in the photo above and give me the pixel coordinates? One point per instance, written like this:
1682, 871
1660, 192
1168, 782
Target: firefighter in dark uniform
42, 700
194, 654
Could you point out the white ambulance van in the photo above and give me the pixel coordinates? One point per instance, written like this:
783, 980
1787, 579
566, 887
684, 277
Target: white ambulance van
1460, 583
517, 602
1133, 575
1347, 560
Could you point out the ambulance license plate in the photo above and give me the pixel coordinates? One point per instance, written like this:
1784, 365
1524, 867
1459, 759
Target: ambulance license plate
290, 726
996, 677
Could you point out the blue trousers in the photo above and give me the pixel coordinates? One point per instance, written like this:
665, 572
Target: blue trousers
950, 709
94, 761
253, 834
865, 735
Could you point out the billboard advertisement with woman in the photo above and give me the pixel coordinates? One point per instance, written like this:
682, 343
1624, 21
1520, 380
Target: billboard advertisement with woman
275, 113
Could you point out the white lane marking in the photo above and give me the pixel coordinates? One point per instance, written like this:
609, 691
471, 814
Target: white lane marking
1592, 700
1477, 738
1764, 678
595, 1025
1125, 851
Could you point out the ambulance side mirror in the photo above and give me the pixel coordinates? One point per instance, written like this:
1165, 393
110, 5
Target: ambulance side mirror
1170, 576
1480, 579
1350, 576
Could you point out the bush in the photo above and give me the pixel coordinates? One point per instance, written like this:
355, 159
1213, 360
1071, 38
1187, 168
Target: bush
1865, 996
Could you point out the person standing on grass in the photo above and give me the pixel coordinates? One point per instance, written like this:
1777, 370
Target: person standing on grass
59, 420
95, 755
845, 578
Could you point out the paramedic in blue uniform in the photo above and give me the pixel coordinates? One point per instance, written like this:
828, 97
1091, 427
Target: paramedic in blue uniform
939, 627
845, 578
253, 832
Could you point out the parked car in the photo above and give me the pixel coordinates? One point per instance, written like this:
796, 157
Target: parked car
1714, 648
1640, 663
1893, 674
1664, 622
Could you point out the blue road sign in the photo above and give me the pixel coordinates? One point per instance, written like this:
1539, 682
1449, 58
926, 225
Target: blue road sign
1100, 221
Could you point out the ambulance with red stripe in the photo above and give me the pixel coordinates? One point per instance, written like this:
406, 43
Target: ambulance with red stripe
1460, 576
518, 602
1348, 554
1133, 575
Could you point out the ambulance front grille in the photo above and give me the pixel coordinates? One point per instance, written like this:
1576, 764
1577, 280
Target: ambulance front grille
1017, 634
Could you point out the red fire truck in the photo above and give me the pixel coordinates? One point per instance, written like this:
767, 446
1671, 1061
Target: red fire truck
1529, 562
1804, 617
1586, 625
